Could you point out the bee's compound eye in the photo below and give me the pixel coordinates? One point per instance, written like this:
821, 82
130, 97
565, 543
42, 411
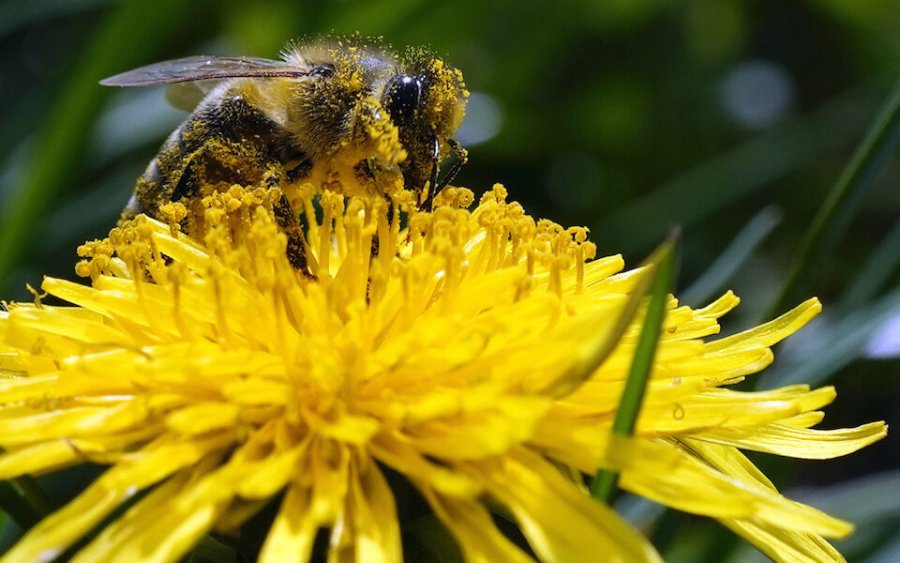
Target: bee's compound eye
324, 70
402, 97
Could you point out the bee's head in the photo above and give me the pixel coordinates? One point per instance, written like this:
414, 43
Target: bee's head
426, 101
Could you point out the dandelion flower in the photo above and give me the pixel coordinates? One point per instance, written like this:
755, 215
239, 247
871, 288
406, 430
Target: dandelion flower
473, 353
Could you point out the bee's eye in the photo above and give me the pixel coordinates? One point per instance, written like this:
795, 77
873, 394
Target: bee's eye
324, 70
402, 97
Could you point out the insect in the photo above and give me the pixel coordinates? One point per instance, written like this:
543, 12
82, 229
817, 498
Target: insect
336, 112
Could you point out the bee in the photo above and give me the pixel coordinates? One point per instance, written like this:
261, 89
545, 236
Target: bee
336, 112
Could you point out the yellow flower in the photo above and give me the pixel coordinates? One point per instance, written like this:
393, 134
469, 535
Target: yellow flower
457, 351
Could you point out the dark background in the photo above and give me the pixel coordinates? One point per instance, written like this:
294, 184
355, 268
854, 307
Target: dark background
628, 116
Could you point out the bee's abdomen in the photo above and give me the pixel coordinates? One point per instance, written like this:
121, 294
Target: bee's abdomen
226, 139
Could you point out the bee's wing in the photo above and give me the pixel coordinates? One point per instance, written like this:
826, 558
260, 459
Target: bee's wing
191, 69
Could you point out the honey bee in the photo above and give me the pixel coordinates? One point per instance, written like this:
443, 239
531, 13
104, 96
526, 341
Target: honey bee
335, 112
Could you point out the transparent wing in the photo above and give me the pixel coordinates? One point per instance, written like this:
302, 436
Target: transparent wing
188, 95
191, 69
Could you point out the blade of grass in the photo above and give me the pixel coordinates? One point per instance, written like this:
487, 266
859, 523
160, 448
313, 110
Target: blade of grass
24, 501
834, 216
875, 273
718, 274
605, 482
128, 37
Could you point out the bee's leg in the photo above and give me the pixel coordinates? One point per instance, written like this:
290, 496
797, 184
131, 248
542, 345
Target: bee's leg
299, 172
213, 162
229, 142
288, 220
188, 183
429, 192
460, 157
289, 223
287, 169
271, 173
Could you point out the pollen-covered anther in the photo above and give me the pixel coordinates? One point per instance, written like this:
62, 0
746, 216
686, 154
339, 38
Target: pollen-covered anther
83, 268
173, 213
451, 196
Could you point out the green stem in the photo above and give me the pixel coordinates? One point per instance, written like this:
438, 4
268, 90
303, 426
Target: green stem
605, 483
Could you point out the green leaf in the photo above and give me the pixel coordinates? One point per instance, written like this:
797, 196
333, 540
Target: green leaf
875, 273
211, 549
662, 263
24, 501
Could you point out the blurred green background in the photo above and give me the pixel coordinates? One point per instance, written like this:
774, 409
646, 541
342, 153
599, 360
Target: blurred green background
733, 119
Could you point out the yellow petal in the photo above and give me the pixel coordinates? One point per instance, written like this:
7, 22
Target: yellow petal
201, 417
71, 423
76, 324
58, 531
483, 434
771, 509
293, 531
317, 498
109, 543
270, 475
773, 331
665, 474
256, 391
474, 529
396, 454
785, 546
37, 458
723, 366
21, 388
166, 534
804, 443
52, 535
159, 460
368, 530
717, 409
560, 521
344, 427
